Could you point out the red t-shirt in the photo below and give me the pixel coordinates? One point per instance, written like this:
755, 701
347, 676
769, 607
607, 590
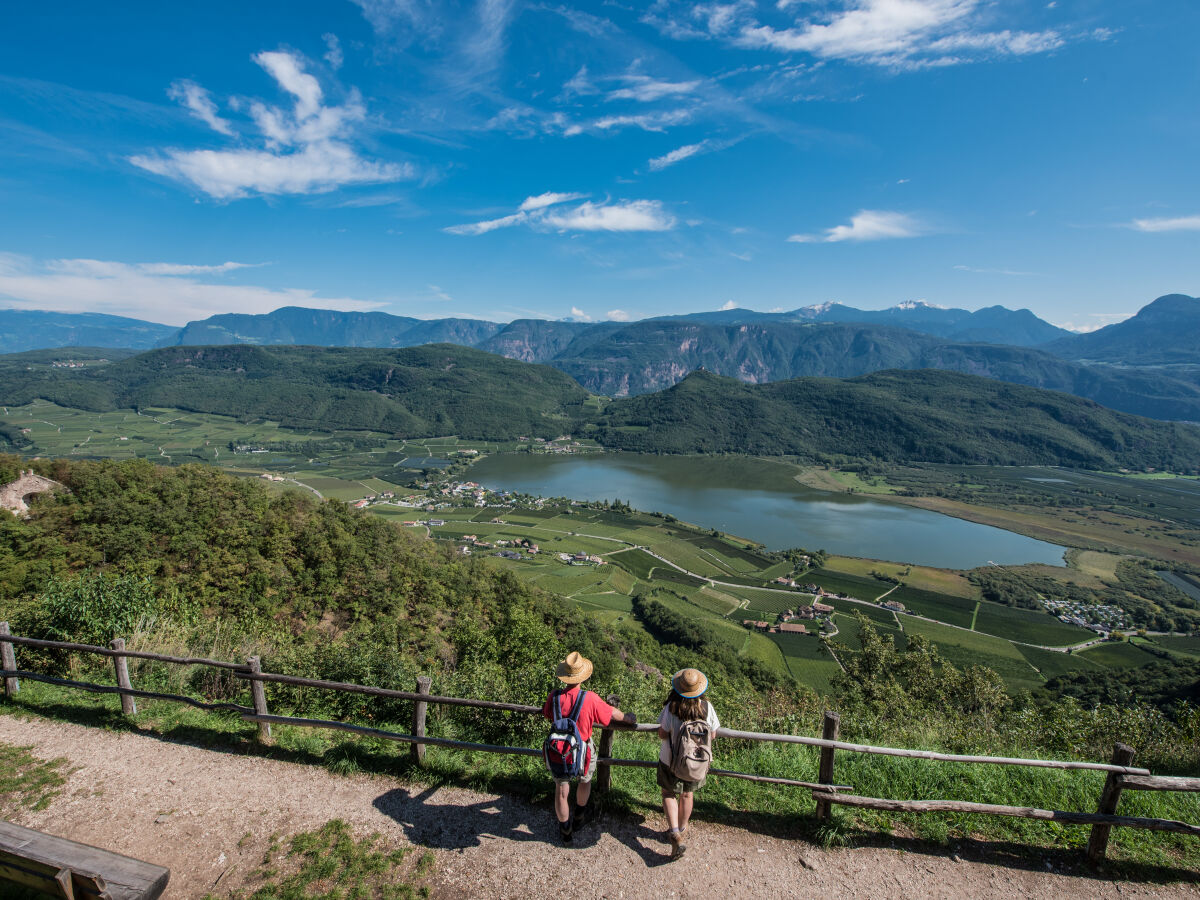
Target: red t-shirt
594, 710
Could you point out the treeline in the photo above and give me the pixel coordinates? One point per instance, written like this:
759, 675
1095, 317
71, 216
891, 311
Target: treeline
894, 416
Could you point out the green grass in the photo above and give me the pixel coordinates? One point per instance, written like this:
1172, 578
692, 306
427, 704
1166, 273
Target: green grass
1184, 646
770, 604
1118, 655
636, 562
331, 863
808, 660
969, 648
943, 607
27, 782
666, 573
1052, 663
860, 588
1030, 626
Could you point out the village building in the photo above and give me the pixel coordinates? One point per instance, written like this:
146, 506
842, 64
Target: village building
793, 628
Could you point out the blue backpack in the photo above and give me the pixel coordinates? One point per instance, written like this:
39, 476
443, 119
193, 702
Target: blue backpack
565, 750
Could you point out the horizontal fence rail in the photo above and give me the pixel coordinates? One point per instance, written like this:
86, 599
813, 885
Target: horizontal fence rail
1120, 774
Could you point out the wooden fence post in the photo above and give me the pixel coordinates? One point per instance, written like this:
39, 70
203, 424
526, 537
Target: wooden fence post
128, 704
420, 708
8, 658
604, 770
1098, 841
259, 695
829, 731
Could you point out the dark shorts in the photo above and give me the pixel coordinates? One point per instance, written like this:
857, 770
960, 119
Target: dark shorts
669, 781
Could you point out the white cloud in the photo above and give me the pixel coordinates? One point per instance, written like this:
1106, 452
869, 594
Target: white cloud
896, 33
160, 292
1180, 223
620, 215
181, 269
728, 305
550, 198
306, 150
867, 225
645, 89
580, 315
333, 51
648, 122
677, 155
992, 271
618, 315
196, 99
628, 215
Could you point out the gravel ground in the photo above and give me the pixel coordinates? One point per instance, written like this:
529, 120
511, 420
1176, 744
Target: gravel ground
208, 815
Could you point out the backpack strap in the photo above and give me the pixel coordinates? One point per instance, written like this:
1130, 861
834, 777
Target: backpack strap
575, 710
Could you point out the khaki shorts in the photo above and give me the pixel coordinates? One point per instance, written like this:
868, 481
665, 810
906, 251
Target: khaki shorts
586, 777
669, 781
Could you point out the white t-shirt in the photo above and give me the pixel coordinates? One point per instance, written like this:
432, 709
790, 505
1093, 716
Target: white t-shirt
670, 722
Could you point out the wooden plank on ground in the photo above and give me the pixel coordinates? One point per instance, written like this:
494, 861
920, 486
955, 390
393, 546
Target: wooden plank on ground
35, 859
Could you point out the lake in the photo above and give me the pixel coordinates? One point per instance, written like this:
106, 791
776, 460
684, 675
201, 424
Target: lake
759, 500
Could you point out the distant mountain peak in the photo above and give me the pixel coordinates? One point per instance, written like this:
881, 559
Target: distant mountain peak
819, 308
918, 304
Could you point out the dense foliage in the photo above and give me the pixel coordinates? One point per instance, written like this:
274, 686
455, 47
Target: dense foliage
894, 416
424, 391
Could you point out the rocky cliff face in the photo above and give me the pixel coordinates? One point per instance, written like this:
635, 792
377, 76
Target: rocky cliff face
15, 495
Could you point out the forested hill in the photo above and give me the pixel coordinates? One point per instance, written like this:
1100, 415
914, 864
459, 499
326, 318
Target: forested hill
926, 415
417, 391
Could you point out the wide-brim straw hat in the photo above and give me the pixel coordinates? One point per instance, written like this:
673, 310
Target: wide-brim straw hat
689, 683
575, 669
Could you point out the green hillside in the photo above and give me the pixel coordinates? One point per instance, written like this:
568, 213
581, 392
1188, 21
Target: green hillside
925, 415
419, 391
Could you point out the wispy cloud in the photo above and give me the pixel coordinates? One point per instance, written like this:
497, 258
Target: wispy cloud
992, 271
894, 33
333, 51
201, 105
728, 305
659, 121
171, 293
550, 198
307, 149
645, 89
618, 315
867, 225
1179, 223
545, 212
579, 315
677, 155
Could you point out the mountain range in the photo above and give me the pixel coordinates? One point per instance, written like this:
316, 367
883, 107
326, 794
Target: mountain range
1147, 365
439, 389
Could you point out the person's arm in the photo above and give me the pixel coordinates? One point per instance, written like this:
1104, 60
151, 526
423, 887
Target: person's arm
627, 717
664, 732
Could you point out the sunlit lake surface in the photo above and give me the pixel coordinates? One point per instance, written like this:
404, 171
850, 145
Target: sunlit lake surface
759, 500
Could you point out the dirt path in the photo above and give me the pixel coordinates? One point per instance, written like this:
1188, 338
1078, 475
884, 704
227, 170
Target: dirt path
208, 815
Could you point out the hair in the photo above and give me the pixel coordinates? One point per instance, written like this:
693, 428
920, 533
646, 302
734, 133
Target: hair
685, 708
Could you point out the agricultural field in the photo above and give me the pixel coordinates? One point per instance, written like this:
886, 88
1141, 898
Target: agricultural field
924, 578
856, 586
1118, 655
1029, 626
808, 660
1188, 646
1052, 663
951, 610
968, 648
850, 635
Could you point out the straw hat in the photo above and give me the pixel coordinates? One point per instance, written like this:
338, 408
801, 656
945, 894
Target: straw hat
689, 682
574, 669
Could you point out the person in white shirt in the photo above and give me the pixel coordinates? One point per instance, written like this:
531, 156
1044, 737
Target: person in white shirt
685, 703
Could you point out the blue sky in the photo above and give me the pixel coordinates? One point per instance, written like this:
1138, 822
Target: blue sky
502, 159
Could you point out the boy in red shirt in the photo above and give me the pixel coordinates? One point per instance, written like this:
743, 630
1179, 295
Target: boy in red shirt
573, 671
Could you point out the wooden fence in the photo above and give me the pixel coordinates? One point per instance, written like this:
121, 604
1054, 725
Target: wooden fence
1121, 775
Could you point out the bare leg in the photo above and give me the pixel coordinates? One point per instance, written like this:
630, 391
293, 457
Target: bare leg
562, 801
685, 808
671, 808
583, 793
